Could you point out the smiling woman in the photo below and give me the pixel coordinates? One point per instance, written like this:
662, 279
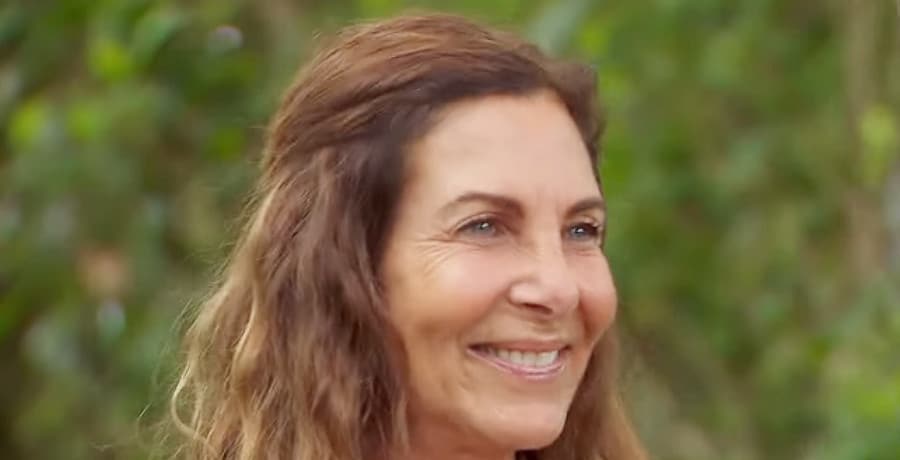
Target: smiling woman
494, 276
423, 274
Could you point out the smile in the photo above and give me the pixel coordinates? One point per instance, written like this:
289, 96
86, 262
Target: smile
526, 363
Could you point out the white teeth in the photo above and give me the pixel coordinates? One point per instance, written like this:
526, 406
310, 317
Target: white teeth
546, 358
525, 358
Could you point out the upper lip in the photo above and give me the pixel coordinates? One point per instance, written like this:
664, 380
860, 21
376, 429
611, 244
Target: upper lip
525, 345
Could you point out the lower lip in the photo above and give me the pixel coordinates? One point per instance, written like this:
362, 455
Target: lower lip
529, 373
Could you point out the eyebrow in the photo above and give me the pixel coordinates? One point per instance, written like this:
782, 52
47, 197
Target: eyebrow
512, 206
594, 203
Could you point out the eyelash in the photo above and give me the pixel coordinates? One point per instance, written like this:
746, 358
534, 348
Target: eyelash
473, 226
594, 230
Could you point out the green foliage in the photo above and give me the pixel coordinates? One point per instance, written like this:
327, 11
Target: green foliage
748, 155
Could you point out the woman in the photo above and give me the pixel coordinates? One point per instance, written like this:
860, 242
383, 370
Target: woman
422, 276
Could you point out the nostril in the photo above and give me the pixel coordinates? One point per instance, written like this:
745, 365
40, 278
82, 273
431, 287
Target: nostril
538, 307
547, 282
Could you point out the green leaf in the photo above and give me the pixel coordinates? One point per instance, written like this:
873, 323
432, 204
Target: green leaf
12, 22
881, 142
555, 26
154, 29
30, 125
87, 121
110, 60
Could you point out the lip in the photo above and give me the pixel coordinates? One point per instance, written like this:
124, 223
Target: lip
528, 373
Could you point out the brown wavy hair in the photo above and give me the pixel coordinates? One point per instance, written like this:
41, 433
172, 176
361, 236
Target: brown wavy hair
290, 357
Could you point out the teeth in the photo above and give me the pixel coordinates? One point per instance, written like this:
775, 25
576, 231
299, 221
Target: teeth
525, 358
546, 358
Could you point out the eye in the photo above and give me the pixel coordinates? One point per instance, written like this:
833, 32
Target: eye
585, 231
481, 226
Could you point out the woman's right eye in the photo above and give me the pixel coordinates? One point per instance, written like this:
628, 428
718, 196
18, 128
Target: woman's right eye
480, 227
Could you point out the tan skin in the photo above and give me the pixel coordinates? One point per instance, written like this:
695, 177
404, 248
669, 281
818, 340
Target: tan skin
496, 251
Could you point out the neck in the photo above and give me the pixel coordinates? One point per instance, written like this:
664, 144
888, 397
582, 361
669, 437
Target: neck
441, 443
444, 452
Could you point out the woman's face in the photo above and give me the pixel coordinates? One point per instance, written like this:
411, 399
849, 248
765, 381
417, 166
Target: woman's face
494, 275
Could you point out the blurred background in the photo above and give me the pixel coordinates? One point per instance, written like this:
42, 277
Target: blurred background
752, 163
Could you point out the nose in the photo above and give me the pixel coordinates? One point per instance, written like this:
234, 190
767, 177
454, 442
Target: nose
548, 285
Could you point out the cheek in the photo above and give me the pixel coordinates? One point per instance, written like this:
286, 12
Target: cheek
446, 300
599, 299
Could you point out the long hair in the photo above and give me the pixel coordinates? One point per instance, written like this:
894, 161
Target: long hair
289, 358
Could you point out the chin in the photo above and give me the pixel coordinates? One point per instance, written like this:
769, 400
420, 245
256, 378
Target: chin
527, 431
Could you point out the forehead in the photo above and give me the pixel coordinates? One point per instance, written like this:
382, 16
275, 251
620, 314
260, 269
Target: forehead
521, 145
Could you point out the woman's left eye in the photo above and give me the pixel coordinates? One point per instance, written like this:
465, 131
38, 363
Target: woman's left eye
585, 231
